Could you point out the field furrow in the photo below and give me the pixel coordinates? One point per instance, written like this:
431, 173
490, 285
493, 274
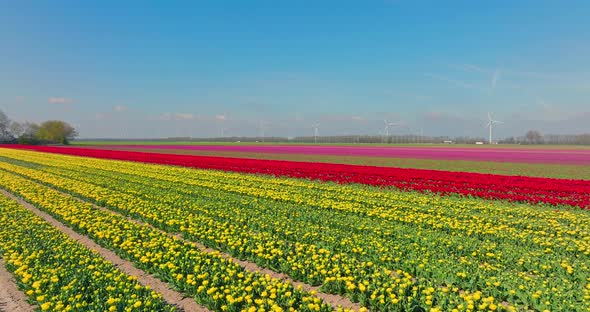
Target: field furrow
11, 298
168, 294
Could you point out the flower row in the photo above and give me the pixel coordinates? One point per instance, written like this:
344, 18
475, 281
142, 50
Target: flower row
59, 274
212, 280
489, 186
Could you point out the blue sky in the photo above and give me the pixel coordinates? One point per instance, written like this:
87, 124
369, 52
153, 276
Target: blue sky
169, 68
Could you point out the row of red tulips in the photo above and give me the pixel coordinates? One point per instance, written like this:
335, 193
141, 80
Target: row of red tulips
513, 188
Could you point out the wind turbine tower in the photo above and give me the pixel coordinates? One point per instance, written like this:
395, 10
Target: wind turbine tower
316, 131
386, 129
490, 125
261, 129
388, 125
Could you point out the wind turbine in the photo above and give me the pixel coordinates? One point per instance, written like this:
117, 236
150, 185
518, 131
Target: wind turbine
261, 129
490, 125
387, 125
222, 120
316, 131
421, 138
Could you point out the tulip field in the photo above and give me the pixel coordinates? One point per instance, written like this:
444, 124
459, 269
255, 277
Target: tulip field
46, 262
518, 155
563, 162
333, 237
511, 188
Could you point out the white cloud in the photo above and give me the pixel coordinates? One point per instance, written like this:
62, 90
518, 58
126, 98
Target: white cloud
184, 116
221, 117
522, 73
495, 79
342, 118
457, 83
176, 116
59, 100
468, 67
164, 116
120, 108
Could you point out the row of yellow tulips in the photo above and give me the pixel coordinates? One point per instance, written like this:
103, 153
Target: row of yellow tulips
58, 274
212, 280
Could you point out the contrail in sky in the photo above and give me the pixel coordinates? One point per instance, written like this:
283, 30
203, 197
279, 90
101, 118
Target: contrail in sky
495, 78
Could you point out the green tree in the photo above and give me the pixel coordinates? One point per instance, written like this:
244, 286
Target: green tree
28, 133
16, 129
534, 137
5, 133
56, 131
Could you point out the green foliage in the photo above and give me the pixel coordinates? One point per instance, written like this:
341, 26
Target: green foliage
56, 131
5, 134
54, 270
28, 133
49, 132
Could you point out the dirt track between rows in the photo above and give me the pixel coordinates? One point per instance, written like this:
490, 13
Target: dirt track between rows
11, 298
170, 295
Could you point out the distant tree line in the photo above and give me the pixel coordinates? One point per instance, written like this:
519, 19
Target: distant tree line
390, 139
48, 132
531, 137
536, 137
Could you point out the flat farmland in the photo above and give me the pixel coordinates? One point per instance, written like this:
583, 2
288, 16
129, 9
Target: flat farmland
324, 246
231, 143
515, 155
513, 188
568, 163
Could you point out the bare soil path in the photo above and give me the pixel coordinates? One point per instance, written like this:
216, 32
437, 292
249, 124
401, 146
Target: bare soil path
11, 298
170, 295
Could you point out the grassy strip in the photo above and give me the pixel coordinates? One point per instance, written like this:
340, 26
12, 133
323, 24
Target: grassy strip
503, 168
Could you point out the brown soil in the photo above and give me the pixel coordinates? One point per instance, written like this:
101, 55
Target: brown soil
171, 296
11, 298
